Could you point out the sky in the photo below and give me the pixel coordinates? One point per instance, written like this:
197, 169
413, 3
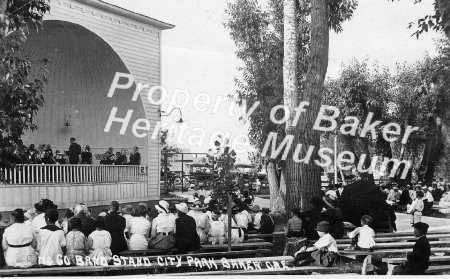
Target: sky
198, 55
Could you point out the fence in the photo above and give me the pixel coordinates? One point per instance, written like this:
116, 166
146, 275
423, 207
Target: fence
71, 174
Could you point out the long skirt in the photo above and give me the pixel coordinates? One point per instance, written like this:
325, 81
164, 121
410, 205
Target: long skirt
163, 242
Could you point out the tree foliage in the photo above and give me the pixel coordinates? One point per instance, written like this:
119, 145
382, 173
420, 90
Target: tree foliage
20, 94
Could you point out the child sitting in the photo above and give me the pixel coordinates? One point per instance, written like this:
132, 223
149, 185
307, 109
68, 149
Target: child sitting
294, 225
363, 237
99, 241
51, 240
76, 240
324, 252
217, 229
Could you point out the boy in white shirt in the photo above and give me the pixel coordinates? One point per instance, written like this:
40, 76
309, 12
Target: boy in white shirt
363, 237
323, 253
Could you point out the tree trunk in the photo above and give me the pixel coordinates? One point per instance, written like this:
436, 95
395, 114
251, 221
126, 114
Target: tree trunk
431, 152
276, 200
303, 180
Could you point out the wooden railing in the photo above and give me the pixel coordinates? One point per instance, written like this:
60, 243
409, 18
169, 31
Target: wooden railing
71, 174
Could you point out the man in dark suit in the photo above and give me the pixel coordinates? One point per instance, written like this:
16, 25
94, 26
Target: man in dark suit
74, 152
115, 225
419, 260
135, 158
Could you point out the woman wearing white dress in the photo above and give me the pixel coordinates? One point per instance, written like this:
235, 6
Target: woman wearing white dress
201, 219
217, 231
19, 242
139, 229
416, 208
99, 241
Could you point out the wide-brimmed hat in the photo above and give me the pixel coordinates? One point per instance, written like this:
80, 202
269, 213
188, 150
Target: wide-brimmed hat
198, 205
182, 207
30, 214
162, 206
128, 209
255, 208
44, 205
323, 226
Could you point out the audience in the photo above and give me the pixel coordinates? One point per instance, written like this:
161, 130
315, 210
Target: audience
81, 211
100, 241
363, 238
217, 231
76, 240
51, 239
19, 242
419, 260
323, 253
295, 225
416, 208
163, 227
115, 225
201, 219
186, 237
138, 229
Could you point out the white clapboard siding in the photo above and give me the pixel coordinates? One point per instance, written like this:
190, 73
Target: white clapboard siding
25, 196
138, 44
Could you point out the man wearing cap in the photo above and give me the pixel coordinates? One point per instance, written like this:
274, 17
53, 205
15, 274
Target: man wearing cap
186, 236
419, 260
115, 225
323, 253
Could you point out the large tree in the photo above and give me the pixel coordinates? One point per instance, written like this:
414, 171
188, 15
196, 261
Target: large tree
302, 179
21, 95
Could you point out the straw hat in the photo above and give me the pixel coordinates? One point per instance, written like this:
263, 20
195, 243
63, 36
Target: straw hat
198, 205
30, 214
182, 207
128, 209
162, 206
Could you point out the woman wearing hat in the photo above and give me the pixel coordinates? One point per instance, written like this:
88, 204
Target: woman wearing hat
202, 220
41, 207
186, 236
323, 253
163, 227
19, 242
30, 215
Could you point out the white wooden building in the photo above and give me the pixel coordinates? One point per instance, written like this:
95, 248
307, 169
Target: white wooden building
86, 42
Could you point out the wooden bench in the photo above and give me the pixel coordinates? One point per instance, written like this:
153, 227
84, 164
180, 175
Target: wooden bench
152, 255
392, 262
409, 233
262, 235
290, 271
73, 270
243, 245
398, 245
397, 239
387, 252
207, 247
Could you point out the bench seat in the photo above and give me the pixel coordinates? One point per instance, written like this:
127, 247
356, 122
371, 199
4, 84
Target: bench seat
397, 239
261, 235
433, 259
438, 269
394, 245
291, 270
204, 248
385, 252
